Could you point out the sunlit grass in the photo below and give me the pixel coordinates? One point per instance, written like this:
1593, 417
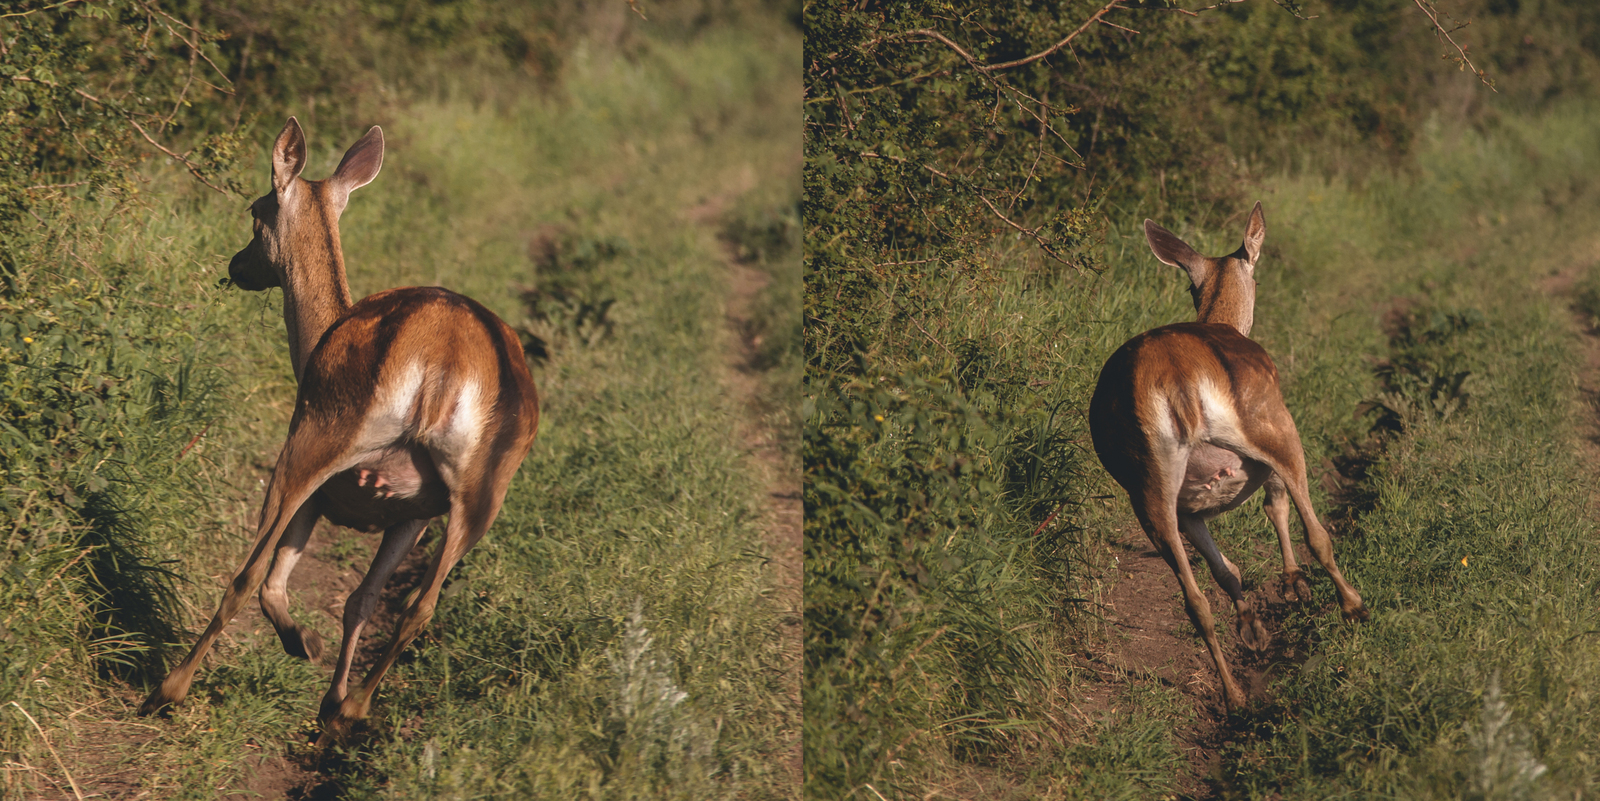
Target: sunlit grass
629, 553
1468, 538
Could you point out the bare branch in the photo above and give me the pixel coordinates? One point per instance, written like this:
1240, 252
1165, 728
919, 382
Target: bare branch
901, 263
1462, 61
167, 21
987, 68
193, 170
1032, 233
37, 10
1118, 27
1063, 43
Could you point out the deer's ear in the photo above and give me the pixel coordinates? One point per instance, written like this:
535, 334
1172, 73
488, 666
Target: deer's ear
358, 167
288, 156
1254, 234
362, 161
1175, 252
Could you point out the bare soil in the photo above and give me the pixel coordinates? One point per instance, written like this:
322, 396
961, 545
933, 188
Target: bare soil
766, 459
1149, 640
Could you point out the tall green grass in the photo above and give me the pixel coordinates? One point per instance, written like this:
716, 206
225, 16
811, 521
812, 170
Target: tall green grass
1377, 292
611, 637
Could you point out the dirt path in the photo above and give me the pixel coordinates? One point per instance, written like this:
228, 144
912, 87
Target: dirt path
779, 474
104, 749
1562, 286
1149, 641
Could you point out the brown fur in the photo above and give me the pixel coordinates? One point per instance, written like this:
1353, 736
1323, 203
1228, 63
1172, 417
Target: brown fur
1190, 420
413, 403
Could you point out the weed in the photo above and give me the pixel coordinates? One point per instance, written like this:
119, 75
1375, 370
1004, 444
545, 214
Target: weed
1503, 763
659, 741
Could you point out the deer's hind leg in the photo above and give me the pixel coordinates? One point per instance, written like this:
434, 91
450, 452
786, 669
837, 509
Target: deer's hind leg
398, 540
476, 494
311, 455
1278, 445
1155, 503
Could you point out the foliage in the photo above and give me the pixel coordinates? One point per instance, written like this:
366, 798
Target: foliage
918, 593
942, 197
85, 90
142, 415
104, 399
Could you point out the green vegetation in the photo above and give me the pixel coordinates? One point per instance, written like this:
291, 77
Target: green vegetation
585, 174
957, 524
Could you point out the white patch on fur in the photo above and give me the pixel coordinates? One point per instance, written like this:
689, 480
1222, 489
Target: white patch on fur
393, 408
1221, 419
1165, 442
460, 435
1163, 418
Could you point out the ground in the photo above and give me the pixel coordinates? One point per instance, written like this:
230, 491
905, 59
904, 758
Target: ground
102, 759
1149, 638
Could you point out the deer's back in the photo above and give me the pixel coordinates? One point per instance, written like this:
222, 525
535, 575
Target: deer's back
422, 364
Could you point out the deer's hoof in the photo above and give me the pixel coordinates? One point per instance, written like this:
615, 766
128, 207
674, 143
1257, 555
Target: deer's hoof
338, 729
169, 694
303, 643
1234, 699
1298, 587
157, 704
1251, 632
1358, 614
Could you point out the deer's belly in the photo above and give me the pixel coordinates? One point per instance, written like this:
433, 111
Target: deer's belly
1217, 479
393, 486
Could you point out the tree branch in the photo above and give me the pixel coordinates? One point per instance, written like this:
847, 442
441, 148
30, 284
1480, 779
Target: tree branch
1462, 61
987, 68
128, 115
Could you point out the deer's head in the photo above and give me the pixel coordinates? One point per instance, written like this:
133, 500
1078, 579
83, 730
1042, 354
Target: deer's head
1224, 288
297, 223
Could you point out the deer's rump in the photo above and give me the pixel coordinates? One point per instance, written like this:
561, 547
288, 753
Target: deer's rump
414, 377
1193, 386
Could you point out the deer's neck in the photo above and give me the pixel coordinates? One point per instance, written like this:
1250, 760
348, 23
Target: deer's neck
1228, 298
315, 294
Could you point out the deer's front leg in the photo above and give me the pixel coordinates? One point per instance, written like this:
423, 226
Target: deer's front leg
284, 500
1280, 448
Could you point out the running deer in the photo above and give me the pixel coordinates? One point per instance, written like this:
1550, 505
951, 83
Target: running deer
413, 403
1188, 418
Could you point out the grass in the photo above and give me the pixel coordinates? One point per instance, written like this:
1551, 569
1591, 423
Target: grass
611, 637
1468, 532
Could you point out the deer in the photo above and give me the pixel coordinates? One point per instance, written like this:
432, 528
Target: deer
1189, 419
411, 404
